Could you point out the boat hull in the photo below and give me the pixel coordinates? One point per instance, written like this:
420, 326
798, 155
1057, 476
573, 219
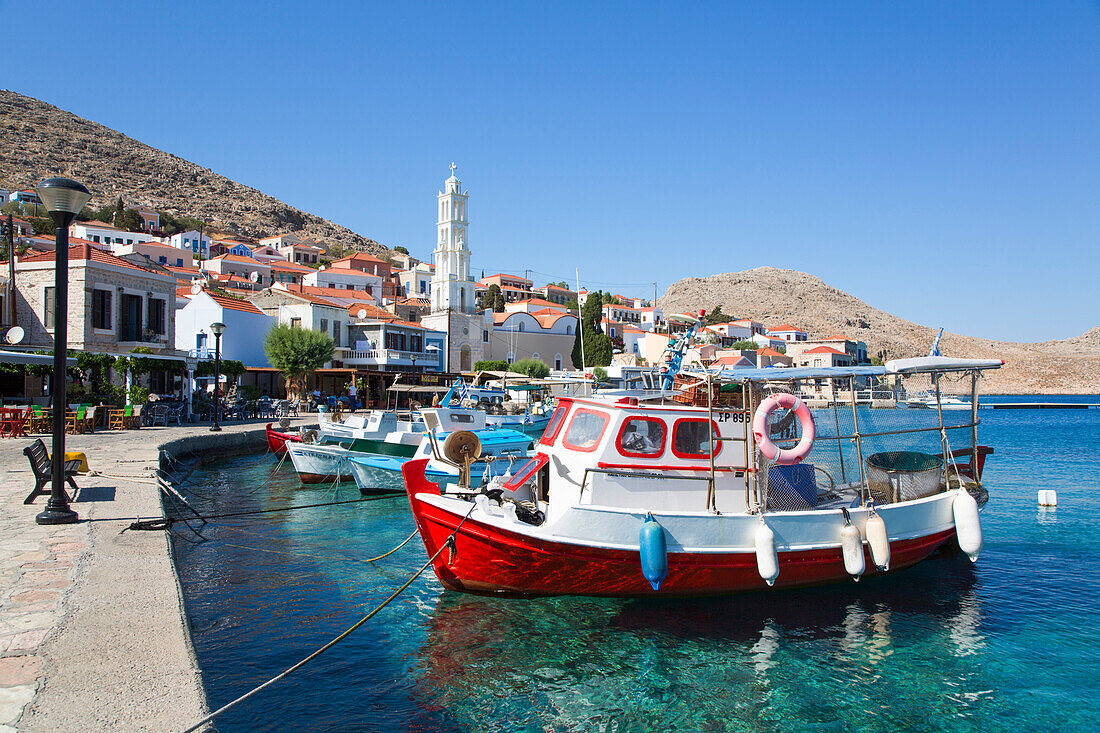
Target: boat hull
276, 441
317, 464
489, 559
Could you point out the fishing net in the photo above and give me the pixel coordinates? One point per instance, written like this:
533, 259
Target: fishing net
901, 452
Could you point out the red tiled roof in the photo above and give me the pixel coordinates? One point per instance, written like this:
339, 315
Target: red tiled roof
547, 320
731, 360
86, 251
824, 350
290, 267
547, 303
96, 224
784, 327
372, 310
836, 337
358, 257
237, 258
769, 351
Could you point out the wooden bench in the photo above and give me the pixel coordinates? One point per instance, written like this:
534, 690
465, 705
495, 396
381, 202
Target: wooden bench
43, 471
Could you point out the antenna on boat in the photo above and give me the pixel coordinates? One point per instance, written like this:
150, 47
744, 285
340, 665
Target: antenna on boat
936, 344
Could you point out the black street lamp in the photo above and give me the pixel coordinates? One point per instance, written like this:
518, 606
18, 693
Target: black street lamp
63, 198
218, 328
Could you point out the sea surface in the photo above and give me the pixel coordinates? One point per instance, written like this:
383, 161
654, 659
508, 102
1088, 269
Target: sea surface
1011, 643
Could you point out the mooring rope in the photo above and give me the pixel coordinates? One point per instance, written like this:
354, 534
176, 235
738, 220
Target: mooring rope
140, 523
288, 671
343, 558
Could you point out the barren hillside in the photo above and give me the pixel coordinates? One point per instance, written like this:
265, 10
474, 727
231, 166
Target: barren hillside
773, 296
39, 140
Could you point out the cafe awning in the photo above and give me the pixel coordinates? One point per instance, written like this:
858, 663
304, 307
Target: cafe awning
416, 388
24, 357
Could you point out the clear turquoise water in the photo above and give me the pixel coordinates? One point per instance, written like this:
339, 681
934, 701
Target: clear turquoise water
1009, 644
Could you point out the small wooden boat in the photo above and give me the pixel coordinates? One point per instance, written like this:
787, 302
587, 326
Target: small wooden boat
277, 441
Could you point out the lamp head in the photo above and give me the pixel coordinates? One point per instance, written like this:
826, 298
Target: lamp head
218, 328
63, 198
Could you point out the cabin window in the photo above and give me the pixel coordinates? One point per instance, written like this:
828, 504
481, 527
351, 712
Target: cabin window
641, 437
554, 425
585, 430
691, 438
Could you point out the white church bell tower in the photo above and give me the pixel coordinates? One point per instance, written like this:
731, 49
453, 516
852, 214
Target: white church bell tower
452, 288
453, 305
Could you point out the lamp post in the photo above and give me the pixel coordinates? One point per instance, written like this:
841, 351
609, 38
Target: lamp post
63, 198
218, 328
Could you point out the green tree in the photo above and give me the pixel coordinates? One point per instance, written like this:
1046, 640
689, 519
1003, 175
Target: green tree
716, 316
116, 215
745, 345
491, 365
599, 374
493, 299
400, 249
532, 367
597, 346
296, 352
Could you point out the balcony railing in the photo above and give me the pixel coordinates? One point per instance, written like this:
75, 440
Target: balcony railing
384, 356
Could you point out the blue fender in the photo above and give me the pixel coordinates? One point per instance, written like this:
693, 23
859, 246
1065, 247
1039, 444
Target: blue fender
654, 555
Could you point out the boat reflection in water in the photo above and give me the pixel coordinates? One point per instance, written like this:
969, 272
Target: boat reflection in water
894, 648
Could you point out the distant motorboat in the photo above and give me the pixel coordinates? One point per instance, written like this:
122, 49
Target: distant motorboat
927, 400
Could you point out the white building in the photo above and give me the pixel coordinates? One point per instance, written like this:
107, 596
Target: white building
158, 252
267, 253
452, 287
787, 332
104, 233
416, 282
243, 267
192, 240
345, 278
246, 327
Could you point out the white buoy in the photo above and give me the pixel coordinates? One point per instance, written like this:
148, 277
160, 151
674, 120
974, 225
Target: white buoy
1048, 497
767, 559
968, 526
879, 541
851, 545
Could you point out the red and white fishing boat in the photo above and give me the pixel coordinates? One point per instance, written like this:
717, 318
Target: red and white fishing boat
276, 441
624, 496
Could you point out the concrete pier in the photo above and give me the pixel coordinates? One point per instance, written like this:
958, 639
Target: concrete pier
93, 634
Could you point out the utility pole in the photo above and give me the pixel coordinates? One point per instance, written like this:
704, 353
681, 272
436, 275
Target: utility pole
11, 271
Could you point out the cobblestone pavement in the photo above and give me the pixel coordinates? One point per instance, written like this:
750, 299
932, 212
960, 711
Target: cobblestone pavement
92, 629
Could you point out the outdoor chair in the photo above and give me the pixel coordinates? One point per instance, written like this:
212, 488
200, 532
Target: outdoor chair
89, 420
39, 457
135, 417
159, 415
75, 423
295, 408
174, 414
119, 419
282, 409
39, 422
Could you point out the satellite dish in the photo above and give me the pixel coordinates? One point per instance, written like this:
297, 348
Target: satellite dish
14, 335
254, 276
196, 288
361, 313
321, 268
461, 447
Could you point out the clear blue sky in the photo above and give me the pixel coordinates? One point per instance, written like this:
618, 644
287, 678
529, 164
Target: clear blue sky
940, 161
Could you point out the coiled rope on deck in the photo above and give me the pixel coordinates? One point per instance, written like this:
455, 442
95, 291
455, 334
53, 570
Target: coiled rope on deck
288, 671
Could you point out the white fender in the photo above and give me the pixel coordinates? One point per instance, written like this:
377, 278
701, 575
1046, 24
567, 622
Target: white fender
879, 541
767, 559
851, 543
968, 526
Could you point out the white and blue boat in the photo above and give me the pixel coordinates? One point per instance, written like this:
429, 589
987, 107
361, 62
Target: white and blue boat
382, 474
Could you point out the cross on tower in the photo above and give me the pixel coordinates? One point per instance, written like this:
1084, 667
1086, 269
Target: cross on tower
453, 166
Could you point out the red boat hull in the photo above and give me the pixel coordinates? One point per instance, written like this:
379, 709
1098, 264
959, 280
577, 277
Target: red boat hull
276, 441
489, 560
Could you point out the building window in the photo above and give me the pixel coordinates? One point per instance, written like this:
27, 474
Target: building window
163, 260
101, 309
155, 321
48, 305
179, 262
324, 325
485, 337
295, 322
336, 333
557, 361
130, 318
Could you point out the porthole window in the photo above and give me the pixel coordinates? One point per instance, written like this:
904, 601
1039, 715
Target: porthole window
691, 438
641, 437
585, 430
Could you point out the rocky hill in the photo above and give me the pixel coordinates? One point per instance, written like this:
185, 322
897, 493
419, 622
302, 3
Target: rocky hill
773, 296
38, 140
